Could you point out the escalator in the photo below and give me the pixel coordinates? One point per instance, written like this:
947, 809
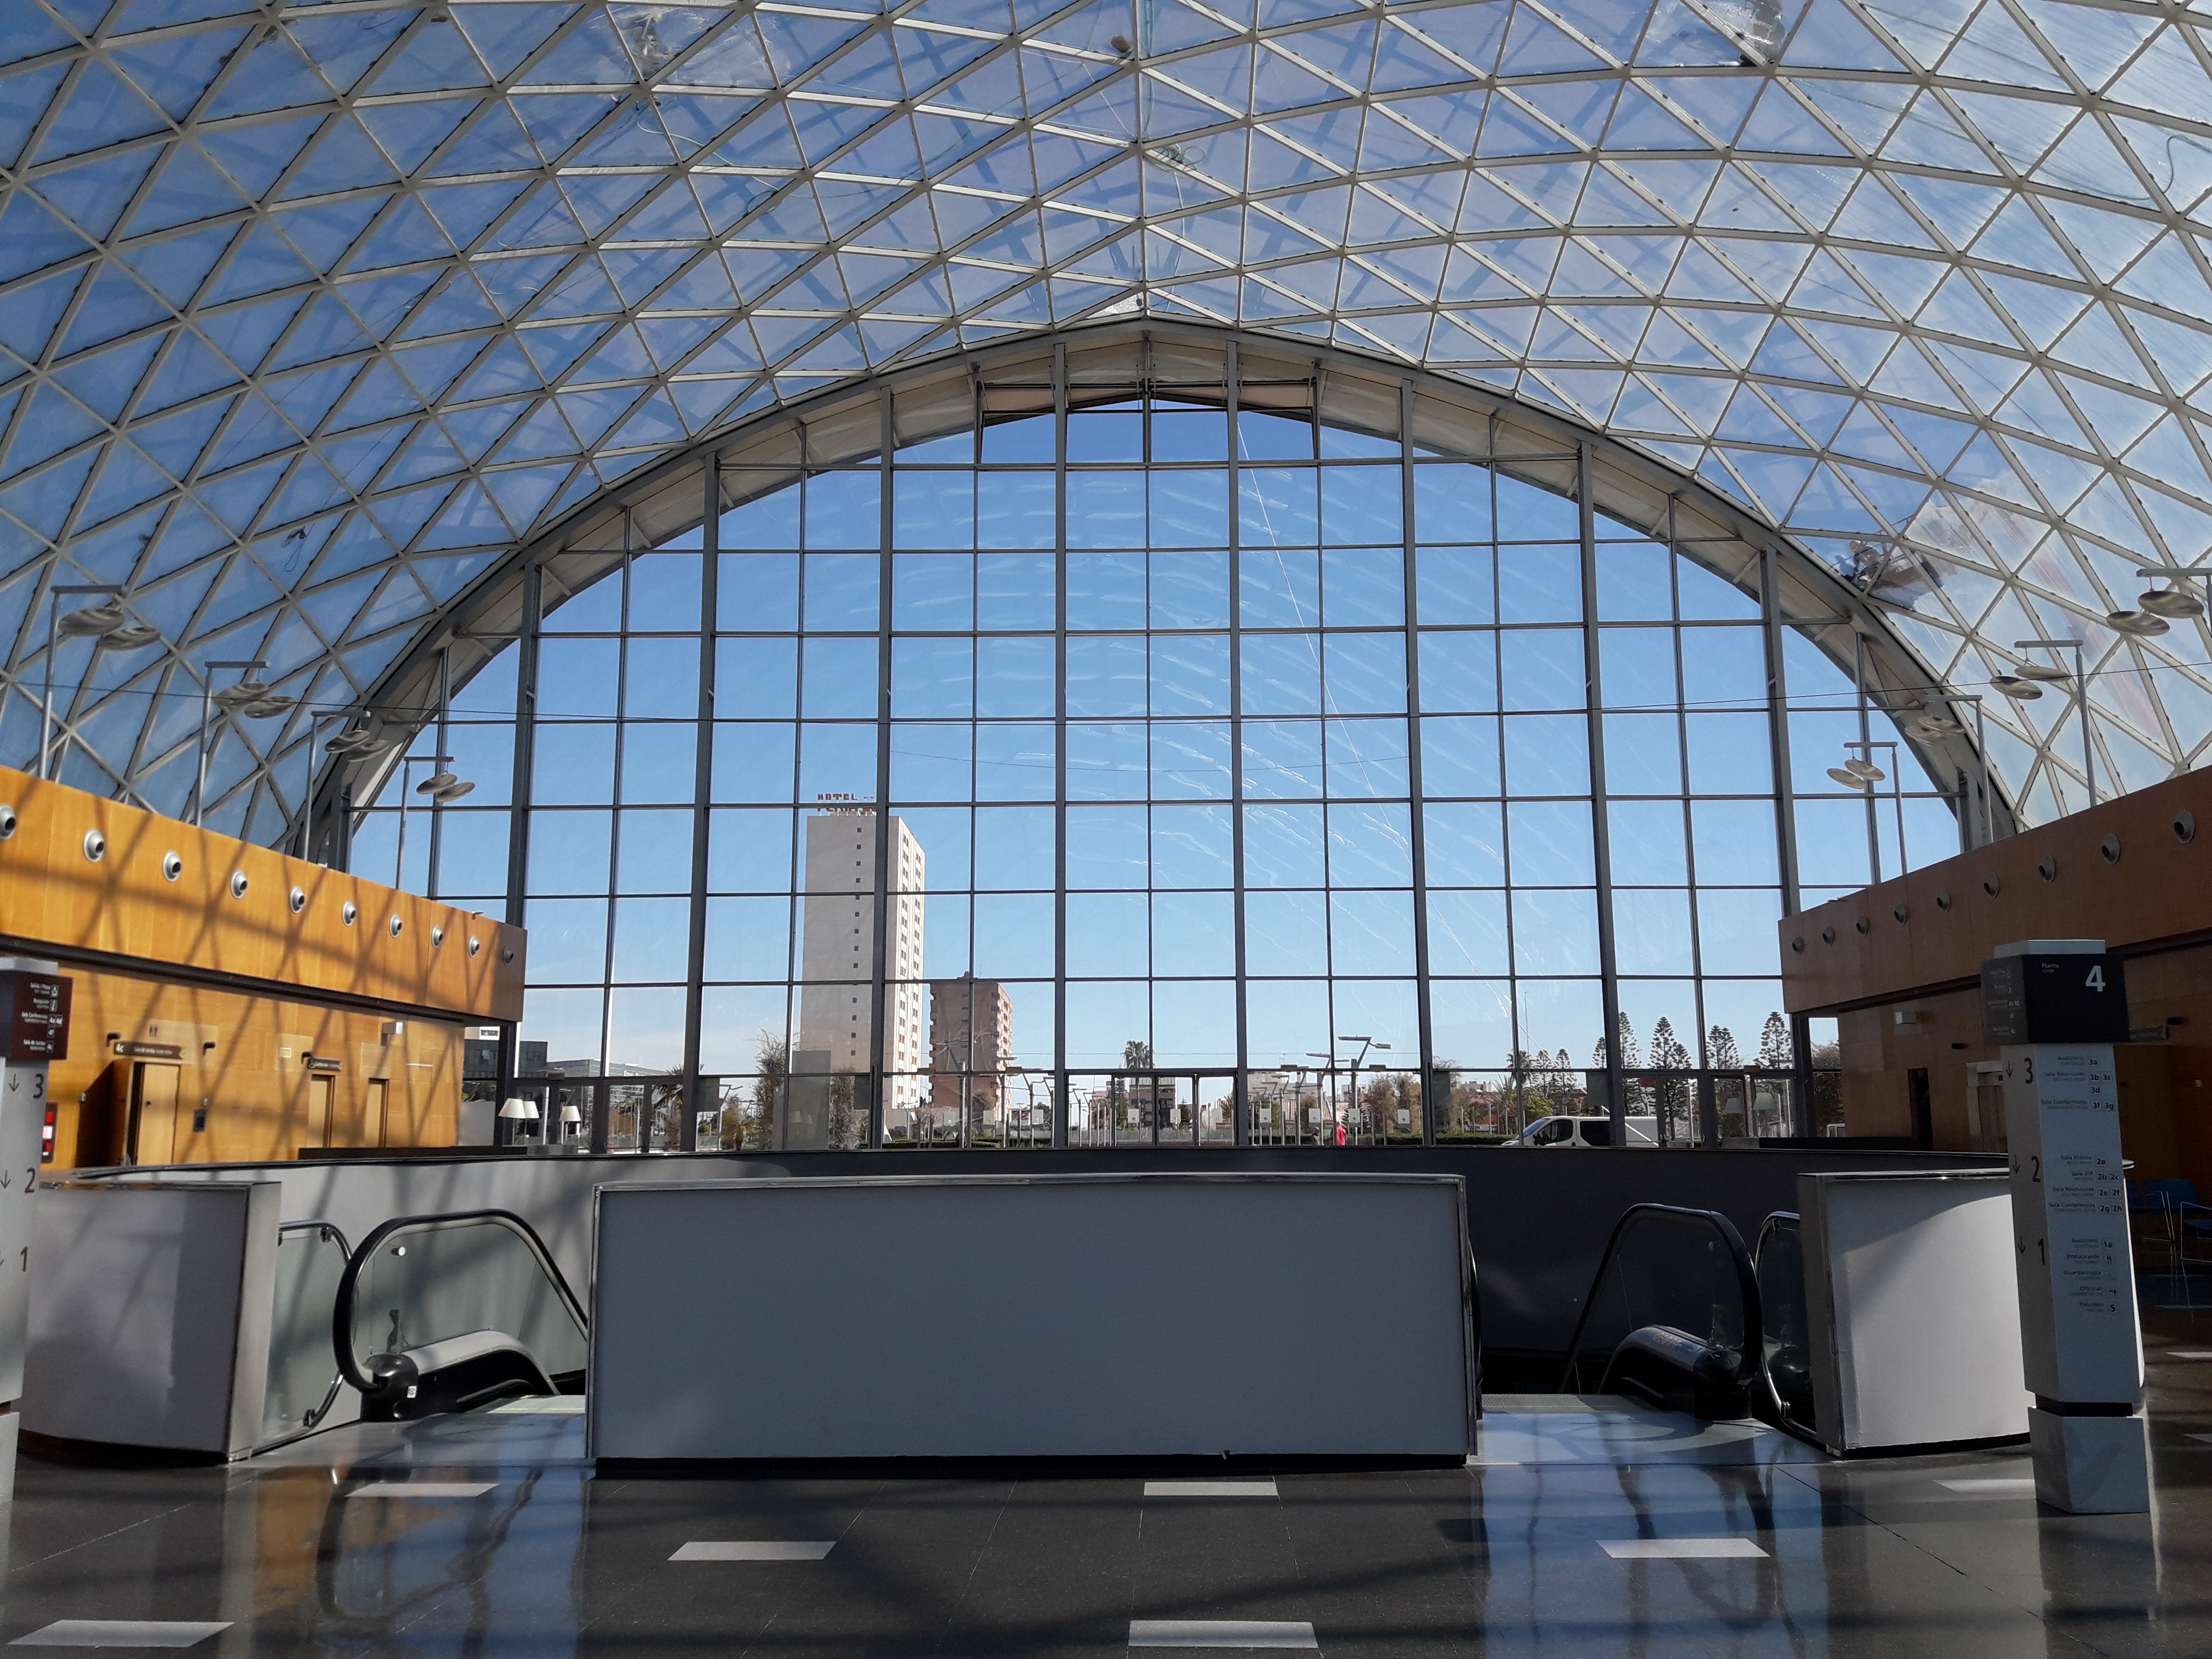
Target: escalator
453, 1312
1682, 1317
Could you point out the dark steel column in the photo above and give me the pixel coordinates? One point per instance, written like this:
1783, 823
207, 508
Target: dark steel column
1417, 817
1241, 1092
1601, 825
1060, 739
880, 1061
694, 972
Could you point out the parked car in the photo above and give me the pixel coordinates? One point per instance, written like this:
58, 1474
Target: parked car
1560, 1130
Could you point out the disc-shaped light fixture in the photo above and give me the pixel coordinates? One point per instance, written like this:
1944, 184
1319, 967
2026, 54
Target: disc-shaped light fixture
94, 619
453, 791
1849, 779
2141, 623
1859, 766
436, 782
262, 708
245, 692
2044, 671
133, 636
2018, 689
2171, 602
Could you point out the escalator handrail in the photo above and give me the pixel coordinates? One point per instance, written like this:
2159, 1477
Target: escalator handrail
1754, 1334
341, 1310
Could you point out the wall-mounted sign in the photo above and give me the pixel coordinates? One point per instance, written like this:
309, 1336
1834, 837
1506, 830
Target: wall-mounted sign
317, 1063
2054, 997
35, 1008
149, 1051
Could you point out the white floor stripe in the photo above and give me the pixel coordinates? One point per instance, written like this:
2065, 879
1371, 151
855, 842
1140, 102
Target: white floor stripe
1210, 1489
1680, 1549
558, 1405
754, 1550
2189, 1353
424, 1489
1221, 1633
121, 1633
1993, 1486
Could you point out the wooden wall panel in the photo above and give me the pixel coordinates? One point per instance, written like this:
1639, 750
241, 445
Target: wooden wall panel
53, 896
245, 1056
1938, 925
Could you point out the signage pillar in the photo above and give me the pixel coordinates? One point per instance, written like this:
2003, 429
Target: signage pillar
34, 1008
2054, 1008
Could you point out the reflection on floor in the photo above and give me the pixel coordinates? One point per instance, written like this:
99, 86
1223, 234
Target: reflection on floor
1588, 1528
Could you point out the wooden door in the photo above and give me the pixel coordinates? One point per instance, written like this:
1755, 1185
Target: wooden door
153, 1113
320, 1095
374, 1128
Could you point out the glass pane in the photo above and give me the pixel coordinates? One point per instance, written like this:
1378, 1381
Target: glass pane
302, 1375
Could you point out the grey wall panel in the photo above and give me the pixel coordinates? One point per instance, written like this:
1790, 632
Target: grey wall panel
1914, 1308
1068, 1316
150, 1315
1539, 1220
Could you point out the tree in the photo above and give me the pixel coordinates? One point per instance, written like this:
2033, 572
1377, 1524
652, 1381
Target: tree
755, 1127
1720, 1050
1631, 1055
1776, 1053
1136, 1056
1667, 1054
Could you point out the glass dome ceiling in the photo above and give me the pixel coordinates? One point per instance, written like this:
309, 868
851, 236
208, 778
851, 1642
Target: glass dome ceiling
311, 314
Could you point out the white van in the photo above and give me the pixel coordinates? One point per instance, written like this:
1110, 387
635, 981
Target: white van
1564, 1131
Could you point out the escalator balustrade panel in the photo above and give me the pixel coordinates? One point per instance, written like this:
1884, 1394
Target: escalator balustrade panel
448, 1313
1784, 1397
1672, 1316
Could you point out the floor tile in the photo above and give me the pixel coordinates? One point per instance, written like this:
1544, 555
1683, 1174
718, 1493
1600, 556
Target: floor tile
1680, 1549
1220, 1633
122, 1633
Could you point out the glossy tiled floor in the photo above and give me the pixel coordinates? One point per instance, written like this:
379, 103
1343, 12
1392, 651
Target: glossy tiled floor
1585, 1532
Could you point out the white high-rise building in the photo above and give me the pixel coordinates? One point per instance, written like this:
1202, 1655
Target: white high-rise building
838, 954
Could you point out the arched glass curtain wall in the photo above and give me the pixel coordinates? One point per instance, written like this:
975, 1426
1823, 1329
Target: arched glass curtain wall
1271, 749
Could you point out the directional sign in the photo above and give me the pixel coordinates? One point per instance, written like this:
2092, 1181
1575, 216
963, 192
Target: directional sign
34, 1014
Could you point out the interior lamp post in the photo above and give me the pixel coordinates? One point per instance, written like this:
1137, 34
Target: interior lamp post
1860, 772
2036, 671
249, 698
106, 625
441, 786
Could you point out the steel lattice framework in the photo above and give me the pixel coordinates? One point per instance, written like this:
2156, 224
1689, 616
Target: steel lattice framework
309, 315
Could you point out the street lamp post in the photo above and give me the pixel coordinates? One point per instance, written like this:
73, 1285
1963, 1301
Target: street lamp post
2080, 699
1365, 1043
